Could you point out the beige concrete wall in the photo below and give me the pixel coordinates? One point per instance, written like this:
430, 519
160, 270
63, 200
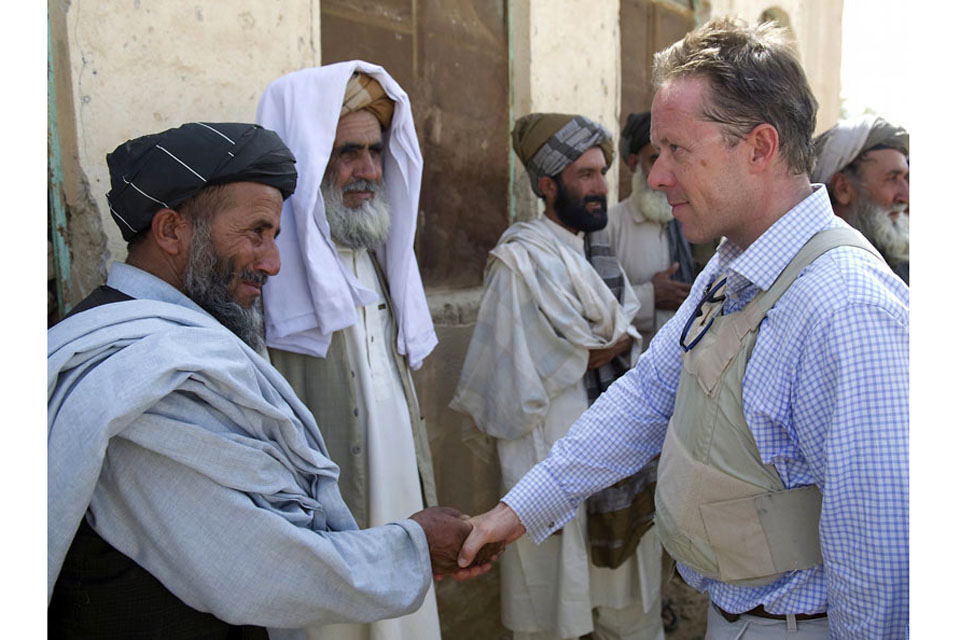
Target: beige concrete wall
141, 66
816, 24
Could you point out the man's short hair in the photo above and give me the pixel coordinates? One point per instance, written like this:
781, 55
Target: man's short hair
754, 78
201, 205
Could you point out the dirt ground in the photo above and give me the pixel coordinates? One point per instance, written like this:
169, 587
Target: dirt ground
690, 607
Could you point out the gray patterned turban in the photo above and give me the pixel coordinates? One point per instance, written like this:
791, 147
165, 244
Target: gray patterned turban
549, 142
162, 170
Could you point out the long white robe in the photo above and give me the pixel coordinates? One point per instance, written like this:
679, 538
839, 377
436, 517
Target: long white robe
393, 480
643, 249
544, 308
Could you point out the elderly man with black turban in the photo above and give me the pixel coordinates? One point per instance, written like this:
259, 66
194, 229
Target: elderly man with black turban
347, 320
190, 490
553, 331
864, 163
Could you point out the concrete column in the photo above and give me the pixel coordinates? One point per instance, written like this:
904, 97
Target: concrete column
143, 66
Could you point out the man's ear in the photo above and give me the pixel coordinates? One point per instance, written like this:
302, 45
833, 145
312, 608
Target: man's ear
547, 187
842, 189
172, 232
763, 144
632, 160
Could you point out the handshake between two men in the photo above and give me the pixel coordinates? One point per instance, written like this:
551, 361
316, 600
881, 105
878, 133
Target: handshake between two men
465, 547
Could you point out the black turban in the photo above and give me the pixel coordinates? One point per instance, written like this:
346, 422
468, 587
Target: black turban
635, 134
164, 169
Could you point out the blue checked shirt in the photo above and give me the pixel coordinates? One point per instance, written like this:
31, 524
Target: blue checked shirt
826, 397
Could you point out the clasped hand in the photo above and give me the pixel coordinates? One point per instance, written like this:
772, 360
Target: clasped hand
466, 547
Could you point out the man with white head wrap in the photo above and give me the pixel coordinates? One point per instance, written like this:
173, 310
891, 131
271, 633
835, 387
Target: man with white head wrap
553, 331
647, 238
347, 318
864, 163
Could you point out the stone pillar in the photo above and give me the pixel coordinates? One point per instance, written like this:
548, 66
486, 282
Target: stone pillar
141, 67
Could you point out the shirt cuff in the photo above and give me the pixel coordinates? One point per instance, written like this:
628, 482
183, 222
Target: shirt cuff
540, 503
419, 538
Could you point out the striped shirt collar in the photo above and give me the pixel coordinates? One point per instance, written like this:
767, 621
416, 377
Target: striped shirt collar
764, 260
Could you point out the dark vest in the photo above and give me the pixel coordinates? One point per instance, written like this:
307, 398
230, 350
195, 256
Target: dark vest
103, 594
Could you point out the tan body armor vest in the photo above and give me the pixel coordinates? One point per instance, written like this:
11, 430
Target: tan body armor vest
720, 510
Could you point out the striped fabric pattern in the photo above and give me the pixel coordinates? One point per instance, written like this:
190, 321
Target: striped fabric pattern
164, 169
564, 147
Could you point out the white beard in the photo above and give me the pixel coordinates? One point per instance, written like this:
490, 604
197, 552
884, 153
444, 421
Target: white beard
652, 204
891, 237
364, 227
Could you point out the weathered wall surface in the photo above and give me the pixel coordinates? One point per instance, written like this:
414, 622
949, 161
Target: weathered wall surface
141, 66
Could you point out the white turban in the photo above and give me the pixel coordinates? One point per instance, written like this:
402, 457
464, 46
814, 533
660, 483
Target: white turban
315, 294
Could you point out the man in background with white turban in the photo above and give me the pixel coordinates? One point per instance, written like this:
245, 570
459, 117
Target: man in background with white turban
864, 163
347, 318
553, 331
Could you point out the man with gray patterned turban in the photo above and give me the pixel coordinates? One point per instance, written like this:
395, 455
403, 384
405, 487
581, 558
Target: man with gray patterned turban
864, 163
553, 331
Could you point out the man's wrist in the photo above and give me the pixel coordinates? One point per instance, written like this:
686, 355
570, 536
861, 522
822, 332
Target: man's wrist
539, 503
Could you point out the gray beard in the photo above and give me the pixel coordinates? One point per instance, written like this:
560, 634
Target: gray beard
891, 237
652, 204
364, 227
207, 282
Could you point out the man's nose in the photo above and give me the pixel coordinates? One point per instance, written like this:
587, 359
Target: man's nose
269, 262
598, 186
660, 177
368, 167
903, 192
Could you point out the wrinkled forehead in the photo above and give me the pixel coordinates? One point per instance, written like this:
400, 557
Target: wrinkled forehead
358, 128
884, 160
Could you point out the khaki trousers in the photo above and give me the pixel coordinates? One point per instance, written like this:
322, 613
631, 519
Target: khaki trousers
754, 628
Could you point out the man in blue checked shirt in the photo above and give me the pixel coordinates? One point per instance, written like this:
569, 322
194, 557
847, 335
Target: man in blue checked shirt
777, 395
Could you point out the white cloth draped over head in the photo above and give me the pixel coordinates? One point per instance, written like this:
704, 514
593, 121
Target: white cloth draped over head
544, 308
315, 294
840, 145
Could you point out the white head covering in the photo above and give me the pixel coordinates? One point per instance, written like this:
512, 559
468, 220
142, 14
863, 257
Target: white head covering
315, 294
840, 145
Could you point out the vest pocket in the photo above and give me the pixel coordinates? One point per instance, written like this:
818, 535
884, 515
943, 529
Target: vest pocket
758, 538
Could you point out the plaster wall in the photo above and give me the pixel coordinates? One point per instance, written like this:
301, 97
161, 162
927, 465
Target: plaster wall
142, 66
816, 24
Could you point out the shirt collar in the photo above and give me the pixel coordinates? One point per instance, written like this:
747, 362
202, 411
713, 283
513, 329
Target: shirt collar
764, 260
